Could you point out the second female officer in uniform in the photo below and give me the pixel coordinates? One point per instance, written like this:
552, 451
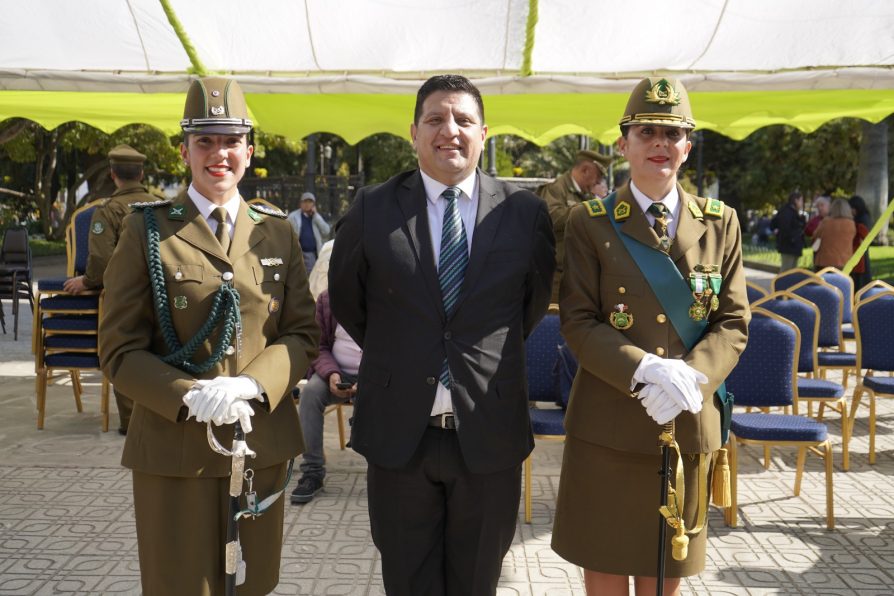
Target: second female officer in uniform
208, 320
638, 370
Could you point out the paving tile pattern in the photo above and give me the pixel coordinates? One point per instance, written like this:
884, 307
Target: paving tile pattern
66, 517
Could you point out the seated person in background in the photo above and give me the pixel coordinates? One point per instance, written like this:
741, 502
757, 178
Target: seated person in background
333, 380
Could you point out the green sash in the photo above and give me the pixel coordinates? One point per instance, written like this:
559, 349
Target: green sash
675, 296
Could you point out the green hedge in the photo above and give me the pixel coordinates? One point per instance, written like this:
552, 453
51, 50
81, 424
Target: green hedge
46, 248
763, 257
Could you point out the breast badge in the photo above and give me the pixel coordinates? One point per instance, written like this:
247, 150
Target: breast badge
180, 302
620, 318
273, 306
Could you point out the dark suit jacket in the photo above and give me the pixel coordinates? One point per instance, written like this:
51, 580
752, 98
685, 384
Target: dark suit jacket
384, 290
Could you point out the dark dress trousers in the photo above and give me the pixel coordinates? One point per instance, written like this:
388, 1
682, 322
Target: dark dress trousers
384, 291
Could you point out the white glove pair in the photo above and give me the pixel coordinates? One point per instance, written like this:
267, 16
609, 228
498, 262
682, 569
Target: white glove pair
671, 387
223, 400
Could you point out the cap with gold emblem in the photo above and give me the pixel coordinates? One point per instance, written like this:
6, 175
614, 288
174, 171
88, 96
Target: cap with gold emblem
215, 105
602, 161
125, 154
663, 102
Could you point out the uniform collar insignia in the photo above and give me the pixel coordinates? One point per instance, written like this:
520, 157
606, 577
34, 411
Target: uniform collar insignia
622, 211
714, 207
254, 216
695, 211
177, 212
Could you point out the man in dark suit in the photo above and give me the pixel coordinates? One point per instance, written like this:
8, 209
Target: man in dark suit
440, 274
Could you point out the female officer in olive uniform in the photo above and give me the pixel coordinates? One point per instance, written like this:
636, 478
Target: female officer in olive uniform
638, 370
215, 325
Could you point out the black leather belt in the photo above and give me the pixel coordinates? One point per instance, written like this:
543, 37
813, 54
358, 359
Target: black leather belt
444, 421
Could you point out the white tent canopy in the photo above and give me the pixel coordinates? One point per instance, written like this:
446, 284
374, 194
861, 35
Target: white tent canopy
509, 47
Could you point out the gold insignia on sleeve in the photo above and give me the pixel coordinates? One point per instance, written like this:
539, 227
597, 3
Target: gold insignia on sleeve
622, 211
595, 207
695, 211
714, 207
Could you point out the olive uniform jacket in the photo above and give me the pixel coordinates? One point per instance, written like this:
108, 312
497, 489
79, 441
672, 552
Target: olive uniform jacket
560, 196
105, 228
599, 274
279, 335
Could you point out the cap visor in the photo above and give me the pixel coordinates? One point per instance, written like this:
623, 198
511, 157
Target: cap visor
223, 129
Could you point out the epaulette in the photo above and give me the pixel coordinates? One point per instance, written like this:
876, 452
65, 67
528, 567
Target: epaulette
268, 210
595, 207
104, 202
151, 204
714, 207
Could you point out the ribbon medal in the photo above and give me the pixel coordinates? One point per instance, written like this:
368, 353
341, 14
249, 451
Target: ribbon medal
620, 318
705, 283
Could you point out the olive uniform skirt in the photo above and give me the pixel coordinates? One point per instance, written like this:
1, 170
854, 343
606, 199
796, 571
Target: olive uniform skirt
607, 512
182, 528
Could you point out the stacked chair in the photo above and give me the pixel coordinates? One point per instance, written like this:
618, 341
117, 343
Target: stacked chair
15, 273
66, 327
836, 277
766, 378
754, 291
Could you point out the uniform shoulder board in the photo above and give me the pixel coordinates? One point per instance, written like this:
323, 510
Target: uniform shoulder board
104, 202
151, 204
595, 207
714, 207
267, 210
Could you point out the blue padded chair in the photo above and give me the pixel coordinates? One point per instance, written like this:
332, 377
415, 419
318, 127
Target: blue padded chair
787, 279
66, 327
874, 287
810, 389
874, 325
754, 291
541, 354
766, 377
837, 278
830, 302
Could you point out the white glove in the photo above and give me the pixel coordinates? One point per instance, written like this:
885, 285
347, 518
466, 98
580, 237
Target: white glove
659, 405
679, 380
240, 410
210, 400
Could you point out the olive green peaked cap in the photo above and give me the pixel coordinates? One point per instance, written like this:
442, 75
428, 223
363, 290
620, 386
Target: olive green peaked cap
601, 161
215, 105
659, 101
125, 154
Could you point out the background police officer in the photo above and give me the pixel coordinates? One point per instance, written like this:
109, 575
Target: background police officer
208, 320
126, 170
586, 179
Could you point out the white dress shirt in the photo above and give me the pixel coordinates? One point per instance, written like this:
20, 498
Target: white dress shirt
206, 208
671, 201
468, 211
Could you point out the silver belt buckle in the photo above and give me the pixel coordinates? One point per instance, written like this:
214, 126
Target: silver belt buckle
444, 416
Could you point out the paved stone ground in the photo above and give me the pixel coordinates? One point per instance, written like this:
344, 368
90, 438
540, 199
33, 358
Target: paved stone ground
66, 518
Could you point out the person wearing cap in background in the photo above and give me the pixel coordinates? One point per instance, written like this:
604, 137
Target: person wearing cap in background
639, 366
585, 180
126, 170
310, 227
207, 321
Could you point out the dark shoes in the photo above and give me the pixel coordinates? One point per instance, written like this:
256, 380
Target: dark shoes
307, 489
